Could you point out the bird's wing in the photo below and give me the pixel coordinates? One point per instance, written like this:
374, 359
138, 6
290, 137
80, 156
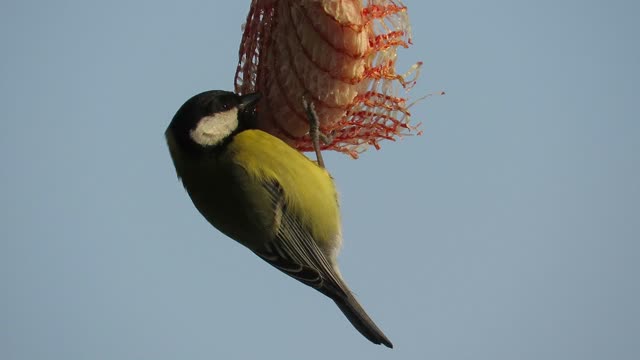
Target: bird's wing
294, 251
290, 247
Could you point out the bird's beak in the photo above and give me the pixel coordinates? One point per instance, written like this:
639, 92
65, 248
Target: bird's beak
249, 101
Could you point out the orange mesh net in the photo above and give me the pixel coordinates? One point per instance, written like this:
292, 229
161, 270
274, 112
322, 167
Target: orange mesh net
339, 54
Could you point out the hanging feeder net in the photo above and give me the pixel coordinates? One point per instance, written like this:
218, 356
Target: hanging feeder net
338, 54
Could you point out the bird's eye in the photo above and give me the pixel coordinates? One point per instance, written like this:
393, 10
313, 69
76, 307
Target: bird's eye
213, 108
216, 107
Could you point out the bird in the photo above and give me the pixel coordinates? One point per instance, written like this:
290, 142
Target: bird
258, 190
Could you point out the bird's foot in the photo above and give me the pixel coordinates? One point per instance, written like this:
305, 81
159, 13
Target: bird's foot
314, 130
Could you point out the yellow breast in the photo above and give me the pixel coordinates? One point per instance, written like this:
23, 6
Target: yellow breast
309, 189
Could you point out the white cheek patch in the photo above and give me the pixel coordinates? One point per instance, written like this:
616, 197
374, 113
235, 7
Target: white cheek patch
211, 130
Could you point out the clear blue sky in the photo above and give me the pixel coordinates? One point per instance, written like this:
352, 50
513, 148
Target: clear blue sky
509, 230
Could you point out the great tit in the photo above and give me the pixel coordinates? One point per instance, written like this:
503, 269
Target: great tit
261, 192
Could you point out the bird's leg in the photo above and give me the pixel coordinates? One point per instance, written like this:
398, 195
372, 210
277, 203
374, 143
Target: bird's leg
314, 130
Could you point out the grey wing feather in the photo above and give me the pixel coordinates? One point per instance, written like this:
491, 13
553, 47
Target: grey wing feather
294, 252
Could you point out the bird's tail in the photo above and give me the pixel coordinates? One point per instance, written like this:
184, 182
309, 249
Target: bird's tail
360, 320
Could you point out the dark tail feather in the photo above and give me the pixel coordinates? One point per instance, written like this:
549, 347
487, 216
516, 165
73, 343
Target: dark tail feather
361, 321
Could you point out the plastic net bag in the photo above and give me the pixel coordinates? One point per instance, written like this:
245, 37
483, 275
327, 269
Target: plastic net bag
339, 55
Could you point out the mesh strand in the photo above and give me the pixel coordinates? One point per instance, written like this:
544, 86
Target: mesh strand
341, 55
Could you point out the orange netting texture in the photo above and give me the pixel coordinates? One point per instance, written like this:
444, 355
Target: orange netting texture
340, 55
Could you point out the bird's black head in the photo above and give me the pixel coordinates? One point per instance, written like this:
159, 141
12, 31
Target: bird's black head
209, 119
